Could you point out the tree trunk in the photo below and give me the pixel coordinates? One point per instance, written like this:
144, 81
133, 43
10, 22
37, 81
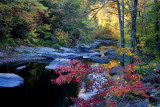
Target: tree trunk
121, 24
133, 29
157, 38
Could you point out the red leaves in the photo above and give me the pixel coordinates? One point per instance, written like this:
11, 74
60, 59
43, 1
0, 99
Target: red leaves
77, 71
74, 72
111, 104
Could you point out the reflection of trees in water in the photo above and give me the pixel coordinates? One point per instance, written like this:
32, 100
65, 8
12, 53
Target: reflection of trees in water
34, 72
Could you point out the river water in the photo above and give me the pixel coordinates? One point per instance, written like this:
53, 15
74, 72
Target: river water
38, 91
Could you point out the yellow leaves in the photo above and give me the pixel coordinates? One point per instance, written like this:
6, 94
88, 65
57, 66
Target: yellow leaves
155, 69
136, 67
141, 44
126, 51
108, 75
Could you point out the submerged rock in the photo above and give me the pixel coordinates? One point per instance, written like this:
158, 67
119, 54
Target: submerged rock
10, 80
57, 63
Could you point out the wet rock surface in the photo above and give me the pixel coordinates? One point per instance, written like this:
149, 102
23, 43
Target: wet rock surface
57, 63
10, 80
102, 60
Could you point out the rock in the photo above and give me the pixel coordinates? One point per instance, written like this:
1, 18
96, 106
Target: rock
88, 51
85, 48
99, 59
21, 67
154, 79
111, 52
10, 80
112, 55
54, 55
89, 55
94, 46
24, 49
19, 50
97, 50
115, 70
67, 50
45, 61
57, 63
127, 105
41, 50
146, 80
143, 104
134, 102
1, 54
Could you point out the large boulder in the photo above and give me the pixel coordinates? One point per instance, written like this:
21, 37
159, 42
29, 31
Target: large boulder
99, 60
111, 54
10, 80
57, 63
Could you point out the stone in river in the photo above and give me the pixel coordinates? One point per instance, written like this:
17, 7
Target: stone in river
10, 80
21, 67
57, 63
99, 60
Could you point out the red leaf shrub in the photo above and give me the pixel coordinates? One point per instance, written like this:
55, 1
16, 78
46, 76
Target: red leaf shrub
128, 82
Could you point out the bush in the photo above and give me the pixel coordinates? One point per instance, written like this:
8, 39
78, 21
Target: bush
56, 46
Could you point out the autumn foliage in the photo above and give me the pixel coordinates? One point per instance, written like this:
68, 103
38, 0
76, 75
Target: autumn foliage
106, 87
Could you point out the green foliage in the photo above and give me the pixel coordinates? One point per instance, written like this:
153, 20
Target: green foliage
12, 42
56, 46
33, 21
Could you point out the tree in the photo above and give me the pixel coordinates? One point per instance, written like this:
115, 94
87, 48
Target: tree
156, 24
133, 8
121, 25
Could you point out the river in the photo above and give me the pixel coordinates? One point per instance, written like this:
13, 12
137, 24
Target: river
38, 91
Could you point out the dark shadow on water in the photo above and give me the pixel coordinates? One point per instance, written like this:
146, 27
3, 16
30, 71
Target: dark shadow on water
38, 91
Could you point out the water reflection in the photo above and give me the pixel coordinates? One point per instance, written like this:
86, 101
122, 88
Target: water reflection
112, 63
103, 48
38, 91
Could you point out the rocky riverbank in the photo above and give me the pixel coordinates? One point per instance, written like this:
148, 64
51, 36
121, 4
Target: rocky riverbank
27, 54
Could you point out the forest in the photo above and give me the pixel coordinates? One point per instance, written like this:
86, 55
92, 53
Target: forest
106, 53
